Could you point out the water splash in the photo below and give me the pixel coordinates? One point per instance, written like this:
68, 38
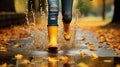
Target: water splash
30, 15
40, 35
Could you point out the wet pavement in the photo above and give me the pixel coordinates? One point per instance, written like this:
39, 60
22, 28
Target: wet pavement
79, 45
35, 47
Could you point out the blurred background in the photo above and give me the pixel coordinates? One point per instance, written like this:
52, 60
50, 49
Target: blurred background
89, 9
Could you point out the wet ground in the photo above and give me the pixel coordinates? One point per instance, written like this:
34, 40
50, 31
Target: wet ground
89, 46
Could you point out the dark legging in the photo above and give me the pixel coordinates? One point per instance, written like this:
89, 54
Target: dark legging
53, 10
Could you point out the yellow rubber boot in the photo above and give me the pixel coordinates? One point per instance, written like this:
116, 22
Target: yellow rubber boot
67, 34
53, 37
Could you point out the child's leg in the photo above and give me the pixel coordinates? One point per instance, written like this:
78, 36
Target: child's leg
67, 17
53, 9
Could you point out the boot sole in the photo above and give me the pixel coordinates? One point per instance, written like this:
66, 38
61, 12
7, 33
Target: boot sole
53, 50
